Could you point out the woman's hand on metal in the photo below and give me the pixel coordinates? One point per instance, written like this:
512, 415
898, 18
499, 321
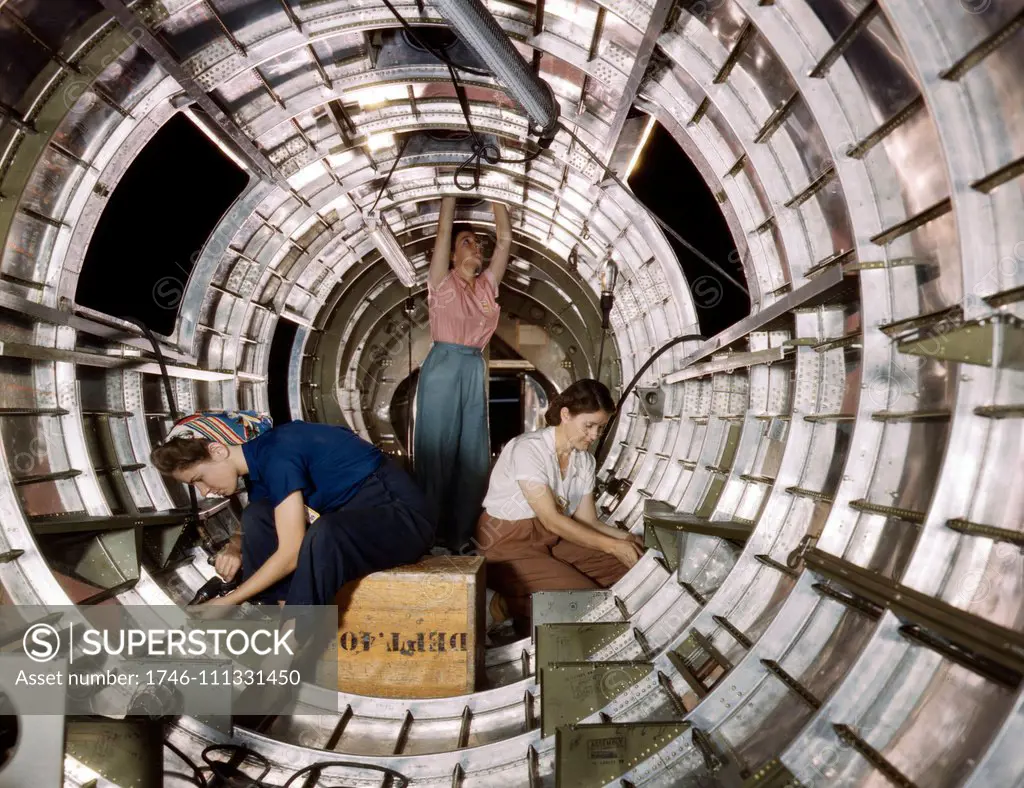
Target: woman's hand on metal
636, 539
228, 561
626, 550
625, 536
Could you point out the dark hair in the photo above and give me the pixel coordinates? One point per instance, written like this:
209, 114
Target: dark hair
583, 396
458, 227
177, 454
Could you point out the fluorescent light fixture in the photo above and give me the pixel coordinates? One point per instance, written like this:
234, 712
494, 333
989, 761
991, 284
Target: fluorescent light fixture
640, 147
384, 239
306, 175
214, 138
371, 97
335, 161
383, 140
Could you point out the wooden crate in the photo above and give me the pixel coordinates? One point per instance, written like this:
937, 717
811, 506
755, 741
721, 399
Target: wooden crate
415, 631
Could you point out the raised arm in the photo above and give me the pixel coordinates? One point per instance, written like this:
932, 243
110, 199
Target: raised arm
499, 262
442, 246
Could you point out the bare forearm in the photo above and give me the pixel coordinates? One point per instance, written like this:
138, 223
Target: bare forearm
444, 233
503, 226
274, 568
578, 533
604, 528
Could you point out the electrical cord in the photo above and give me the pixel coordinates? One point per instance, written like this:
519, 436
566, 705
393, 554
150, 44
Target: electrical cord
482, 151
169, 392
197, 778
609, 174
629, 388
400, 780
491, 154
410, 305
240, 753
188, 778
387, 180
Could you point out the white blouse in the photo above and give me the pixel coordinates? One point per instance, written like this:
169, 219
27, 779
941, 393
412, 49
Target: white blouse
531, 457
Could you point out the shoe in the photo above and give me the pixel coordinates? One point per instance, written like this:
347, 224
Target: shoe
497, 610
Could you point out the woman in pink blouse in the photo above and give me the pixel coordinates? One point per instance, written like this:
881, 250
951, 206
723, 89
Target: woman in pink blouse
452, 446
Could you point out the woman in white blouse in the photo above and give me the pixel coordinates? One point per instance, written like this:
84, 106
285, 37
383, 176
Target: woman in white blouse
540, 530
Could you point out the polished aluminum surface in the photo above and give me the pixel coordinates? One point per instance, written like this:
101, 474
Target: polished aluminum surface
867, 158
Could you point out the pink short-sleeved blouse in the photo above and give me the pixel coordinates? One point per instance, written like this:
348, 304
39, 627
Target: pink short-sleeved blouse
463, 313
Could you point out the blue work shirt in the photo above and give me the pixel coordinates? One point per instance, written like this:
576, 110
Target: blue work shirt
326, 462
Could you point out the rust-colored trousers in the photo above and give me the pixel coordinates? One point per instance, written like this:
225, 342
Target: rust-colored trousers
523, 556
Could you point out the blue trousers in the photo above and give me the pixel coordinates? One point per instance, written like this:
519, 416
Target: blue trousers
386, 524
452, 446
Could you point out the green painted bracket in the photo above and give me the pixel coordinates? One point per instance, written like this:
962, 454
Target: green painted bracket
571, 691
105, 559
667, 543
975, 342
772, 774
589, 755
126, 752
575, 642
732, 530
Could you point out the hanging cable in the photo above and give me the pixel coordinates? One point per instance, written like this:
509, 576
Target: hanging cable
225, 771
196, 778
492, 155
169, 393
609, 174
410, 306
387, 180
629, 388
395, 778
609, 276
435, 52
482, 150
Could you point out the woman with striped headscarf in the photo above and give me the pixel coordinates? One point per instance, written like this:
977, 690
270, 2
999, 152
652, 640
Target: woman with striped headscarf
324, 505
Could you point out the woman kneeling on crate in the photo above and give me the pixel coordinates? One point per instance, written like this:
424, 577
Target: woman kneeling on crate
539, 530
325, 506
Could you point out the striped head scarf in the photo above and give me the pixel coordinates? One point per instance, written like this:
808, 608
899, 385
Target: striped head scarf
230, 427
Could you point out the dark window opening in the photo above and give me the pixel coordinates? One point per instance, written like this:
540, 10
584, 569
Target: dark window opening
505, 409
155, 224
670, 185
277, 376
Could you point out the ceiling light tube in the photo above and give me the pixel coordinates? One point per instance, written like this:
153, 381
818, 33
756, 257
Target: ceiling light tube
389, 247
640, 147
204, 127
480, 31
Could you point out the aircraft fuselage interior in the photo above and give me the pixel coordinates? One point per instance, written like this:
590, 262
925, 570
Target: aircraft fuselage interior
786, 235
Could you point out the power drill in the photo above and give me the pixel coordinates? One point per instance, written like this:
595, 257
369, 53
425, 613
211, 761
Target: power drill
216, 585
